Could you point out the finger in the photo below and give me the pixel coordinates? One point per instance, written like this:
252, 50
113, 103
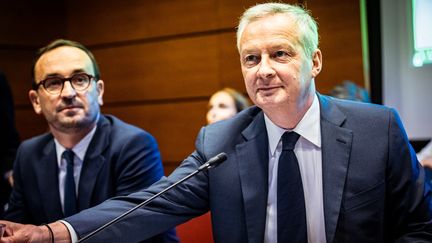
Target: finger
8, 227
8, 231
8, 239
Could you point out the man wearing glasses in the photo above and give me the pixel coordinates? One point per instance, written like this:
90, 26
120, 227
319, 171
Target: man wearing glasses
86, 157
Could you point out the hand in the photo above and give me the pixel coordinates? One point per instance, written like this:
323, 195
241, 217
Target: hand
10, 178
24, 233
427, 162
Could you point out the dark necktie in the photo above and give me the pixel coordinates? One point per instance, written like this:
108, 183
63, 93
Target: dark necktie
70, 200
291, 211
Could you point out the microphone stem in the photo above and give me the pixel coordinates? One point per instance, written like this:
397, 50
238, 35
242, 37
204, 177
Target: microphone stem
137, 206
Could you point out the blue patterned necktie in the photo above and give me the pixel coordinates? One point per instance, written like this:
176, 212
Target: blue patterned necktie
70, 199
291, 211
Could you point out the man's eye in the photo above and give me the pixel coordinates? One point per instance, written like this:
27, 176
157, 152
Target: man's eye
79, 79
53, 82
280, 54
251, 59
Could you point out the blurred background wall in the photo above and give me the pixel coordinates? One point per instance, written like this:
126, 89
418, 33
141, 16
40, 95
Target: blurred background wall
405, 87
161, 60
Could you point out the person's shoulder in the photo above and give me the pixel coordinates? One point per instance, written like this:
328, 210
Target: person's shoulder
225, 135
34, 148
238, 122
37, 141
121, 129
354, 107
230, 130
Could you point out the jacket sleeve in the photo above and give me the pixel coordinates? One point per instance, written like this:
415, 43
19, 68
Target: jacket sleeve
139, 164
409, 197
178, 205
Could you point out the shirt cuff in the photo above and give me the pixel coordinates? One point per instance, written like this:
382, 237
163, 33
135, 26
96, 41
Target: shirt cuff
73, 234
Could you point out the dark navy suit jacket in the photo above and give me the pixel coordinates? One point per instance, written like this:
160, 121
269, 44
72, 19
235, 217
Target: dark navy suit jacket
373, 185
120, 159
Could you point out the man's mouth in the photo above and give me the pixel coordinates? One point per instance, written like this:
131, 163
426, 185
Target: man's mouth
69, 107
267, 89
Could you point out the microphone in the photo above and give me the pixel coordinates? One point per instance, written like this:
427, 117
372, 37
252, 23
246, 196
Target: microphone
211, 163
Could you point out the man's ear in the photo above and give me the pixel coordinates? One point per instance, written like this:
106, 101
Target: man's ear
316, 62
100, 89
34, 99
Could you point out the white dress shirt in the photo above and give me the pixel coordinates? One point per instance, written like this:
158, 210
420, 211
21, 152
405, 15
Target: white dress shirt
79, 152
308, 153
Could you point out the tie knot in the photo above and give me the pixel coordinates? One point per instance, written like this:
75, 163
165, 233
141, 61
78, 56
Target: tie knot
289, 140
68, 155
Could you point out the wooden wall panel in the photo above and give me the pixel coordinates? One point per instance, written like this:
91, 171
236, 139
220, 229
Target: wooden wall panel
175, 126
229, 11
30, 23
161, 70
25, 26
142, 19
16, 66
340, 42
161, 60
229, 61
339, 23
117, 21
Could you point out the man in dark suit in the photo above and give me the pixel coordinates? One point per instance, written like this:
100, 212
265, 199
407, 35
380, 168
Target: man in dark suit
109, 157
301, 167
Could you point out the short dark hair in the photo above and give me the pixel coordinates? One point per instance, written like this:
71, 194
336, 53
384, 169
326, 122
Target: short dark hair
59, 43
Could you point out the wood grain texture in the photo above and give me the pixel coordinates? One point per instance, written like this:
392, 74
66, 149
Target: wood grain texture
30, 23
15, 64
162, 70
175, 126
161, 60
340, 42
141, 19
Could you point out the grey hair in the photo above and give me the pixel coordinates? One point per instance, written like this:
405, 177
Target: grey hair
306, 24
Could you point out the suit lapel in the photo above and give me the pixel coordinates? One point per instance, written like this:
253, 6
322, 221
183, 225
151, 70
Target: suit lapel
336, 148
92, 163
252, 158
47, 175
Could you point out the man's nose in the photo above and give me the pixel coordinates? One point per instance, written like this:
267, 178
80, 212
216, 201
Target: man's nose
68, 90
266, 69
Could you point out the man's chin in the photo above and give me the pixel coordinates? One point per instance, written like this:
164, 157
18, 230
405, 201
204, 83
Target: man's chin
71, 123
267, 102
70, 112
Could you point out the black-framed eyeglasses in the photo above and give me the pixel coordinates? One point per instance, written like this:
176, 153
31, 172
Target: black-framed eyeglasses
54, 85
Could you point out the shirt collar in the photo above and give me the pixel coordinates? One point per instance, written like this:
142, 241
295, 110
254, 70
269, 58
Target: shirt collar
309, 127
79, 149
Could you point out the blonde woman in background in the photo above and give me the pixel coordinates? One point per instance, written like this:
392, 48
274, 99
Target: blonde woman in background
224, 104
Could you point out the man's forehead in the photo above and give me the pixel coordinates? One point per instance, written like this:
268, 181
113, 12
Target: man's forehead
62, 61
272, 42
64, 52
